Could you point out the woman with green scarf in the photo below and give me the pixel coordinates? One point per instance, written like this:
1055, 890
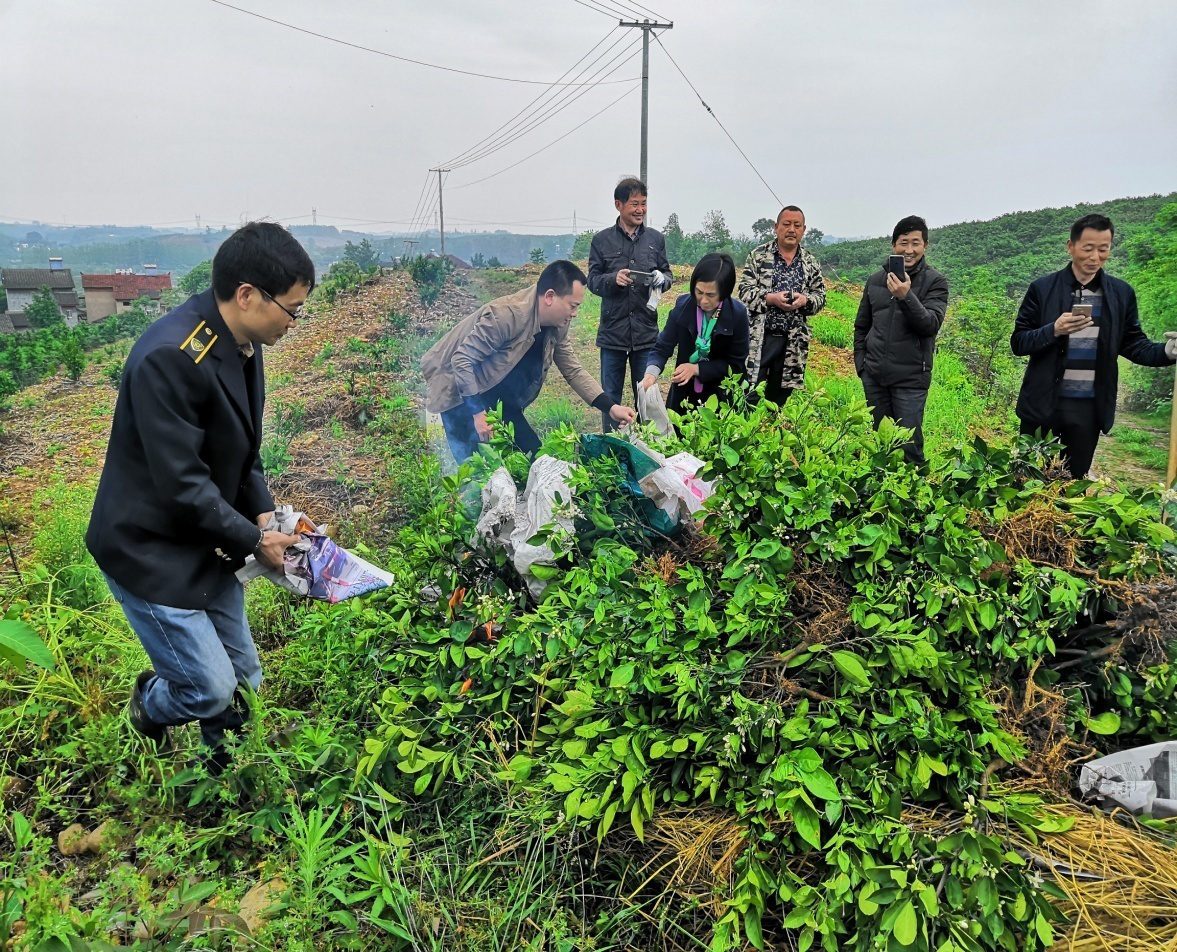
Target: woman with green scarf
710, 329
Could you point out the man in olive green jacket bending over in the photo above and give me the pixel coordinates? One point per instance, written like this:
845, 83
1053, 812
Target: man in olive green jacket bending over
501, 354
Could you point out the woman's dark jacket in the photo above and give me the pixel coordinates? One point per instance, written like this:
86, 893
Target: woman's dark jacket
729, 348
1120, 334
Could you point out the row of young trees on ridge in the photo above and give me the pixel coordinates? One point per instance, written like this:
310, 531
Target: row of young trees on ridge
27, 358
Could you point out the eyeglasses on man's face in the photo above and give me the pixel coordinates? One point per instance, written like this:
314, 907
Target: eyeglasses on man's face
297, 314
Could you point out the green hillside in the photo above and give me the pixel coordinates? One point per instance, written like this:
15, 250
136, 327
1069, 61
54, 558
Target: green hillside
1016, 248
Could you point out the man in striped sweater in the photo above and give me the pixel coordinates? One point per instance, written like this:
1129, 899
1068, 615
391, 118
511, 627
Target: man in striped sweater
1073, 325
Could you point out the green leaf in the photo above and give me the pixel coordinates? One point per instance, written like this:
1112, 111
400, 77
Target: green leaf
820, 784
635, 818
574, 748
19, 643
621, 676
1107, 723
851, 667
906, 924
752, 926
808, 825
560, 783
730, 456
765, 549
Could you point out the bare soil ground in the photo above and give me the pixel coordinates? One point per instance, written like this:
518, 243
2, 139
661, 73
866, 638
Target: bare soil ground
58, 430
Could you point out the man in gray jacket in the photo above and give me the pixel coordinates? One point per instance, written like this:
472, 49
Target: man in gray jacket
501, 354
629, 326
895, 334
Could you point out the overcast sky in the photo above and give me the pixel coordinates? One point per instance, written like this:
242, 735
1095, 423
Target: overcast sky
860, 111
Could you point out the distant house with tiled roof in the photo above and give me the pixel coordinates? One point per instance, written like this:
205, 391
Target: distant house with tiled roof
108, 294
21, 285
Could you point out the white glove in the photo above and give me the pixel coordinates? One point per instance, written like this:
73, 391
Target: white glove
1171, 344
656, 281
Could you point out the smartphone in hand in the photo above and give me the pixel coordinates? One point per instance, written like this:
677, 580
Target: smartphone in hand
1082, 310
895, 266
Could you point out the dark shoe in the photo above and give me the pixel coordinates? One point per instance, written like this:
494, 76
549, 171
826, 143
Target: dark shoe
137, 713
212, 732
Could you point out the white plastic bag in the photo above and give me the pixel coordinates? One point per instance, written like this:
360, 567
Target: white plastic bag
508, 522
499, 501
674, 487
547, 479
652, 408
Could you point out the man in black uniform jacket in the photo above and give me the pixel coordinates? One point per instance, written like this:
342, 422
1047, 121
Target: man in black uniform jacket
182, 497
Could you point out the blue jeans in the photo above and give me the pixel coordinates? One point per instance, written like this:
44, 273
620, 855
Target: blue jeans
613, 377
904, 405
463, 438
200, 657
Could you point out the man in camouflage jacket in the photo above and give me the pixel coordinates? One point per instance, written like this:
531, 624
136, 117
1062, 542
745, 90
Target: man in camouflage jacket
782, 286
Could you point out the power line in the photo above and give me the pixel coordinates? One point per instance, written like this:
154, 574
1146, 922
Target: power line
596, 8
632, 89
647, 10
426, 209
480, 142
716, 118
552, 109
421, 197
403, 59
618, 9
564, 98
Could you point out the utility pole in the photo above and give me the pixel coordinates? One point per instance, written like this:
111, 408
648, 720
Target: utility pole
645, 26
440, 208
411, 242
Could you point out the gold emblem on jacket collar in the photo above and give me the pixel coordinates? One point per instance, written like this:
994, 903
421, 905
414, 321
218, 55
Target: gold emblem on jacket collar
199, 342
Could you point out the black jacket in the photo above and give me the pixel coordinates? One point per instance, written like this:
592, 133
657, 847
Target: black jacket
182, 477
626, 323
1120, 334
894, 340
729, 348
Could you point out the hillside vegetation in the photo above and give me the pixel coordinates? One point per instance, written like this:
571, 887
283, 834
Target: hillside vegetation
837, 714
1016, 248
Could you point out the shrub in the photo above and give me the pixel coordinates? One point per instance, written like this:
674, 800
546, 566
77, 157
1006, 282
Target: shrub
429, 275
819, 666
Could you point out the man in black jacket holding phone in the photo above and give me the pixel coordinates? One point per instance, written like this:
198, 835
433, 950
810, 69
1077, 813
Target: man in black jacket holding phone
627, 271
901, 313
1073, 325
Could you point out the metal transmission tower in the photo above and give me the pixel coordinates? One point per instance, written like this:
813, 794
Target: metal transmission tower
645, 26
440, 208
